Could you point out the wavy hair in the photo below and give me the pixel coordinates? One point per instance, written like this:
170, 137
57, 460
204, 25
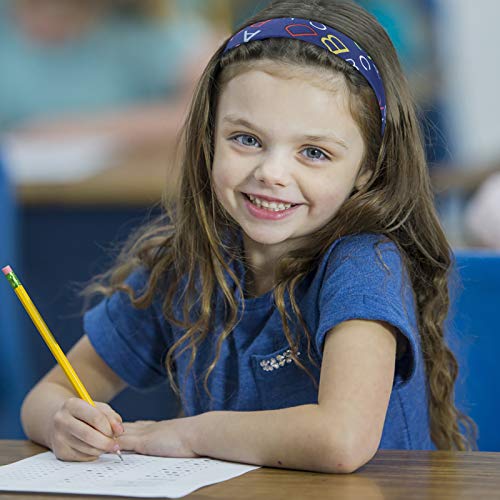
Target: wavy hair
189, 243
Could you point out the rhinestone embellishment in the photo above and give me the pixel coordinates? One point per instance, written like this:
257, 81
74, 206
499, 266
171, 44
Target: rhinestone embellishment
268, 365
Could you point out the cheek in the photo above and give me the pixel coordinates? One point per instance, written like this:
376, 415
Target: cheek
227, 171
329, 199
225, 180
221, 177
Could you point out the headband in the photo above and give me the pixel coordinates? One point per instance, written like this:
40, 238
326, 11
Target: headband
323, 36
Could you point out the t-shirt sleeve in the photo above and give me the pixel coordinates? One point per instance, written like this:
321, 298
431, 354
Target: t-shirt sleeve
133, 342
365, 278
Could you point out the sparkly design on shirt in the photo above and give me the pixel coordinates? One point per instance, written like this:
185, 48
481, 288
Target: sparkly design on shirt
268, 365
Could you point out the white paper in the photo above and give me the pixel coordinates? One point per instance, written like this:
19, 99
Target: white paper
56, 161
136, 476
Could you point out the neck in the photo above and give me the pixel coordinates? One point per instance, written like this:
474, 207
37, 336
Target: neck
257, 284
261, 263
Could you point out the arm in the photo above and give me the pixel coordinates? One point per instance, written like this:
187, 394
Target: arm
339, 434
53, 391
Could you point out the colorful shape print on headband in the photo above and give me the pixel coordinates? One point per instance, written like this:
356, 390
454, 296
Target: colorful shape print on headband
323, 36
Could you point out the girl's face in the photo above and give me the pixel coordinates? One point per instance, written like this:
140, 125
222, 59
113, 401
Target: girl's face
288, 142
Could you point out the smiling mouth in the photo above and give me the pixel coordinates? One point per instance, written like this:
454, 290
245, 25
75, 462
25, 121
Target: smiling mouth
272, 206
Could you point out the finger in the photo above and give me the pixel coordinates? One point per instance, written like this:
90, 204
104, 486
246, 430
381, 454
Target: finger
118, 428
81, 457
65, 452
76, 456
109, 411
114, 418
83, 448
91, 415
91, 436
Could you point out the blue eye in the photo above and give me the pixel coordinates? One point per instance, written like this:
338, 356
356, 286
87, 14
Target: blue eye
251, 143
321, 157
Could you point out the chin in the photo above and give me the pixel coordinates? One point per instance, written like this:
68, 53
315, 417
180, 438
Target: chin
265, 238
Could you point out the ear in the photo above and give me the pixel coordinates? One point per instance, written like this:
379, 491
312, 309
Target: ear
364, 176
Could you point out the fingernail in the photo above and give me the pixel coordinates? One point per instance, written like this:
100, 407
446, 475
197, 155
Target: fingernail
116, 447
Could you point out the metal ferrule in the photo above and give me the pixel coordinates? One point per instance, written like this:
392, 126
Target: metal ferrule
14, 282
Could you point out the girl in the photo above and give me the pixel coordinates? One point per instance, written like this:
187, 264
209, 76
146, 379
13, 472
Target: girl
296, 289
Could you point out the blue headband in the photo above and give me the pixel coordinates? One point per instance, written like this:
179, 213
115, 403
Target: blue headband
323, 36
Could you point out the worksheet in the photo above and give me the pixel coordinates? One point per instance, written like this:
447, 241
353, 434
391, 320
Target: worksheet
136, 476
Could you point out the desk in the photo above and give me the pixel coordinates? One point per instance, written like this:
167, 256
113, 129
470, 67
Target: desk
390, 475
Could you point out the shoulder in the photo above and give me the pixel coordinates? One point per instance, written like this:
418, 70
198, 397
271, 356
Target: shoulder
119, 303
362, 253
134, 285
362, 245
366, 272
364, 277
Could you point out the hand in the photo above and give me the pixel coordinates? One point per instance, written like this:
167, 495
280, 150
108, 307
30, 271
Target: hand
81, 432
167, 438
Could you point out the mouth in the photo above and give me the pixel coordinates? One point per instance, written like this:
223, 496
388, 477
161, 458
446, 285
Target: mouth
272, 206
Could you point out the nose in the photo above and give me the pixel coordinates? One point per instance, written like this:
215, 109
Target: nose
273, 170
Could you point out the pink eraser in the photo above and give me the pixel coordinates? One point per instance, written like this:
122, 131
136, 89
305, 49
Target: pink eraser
7, 270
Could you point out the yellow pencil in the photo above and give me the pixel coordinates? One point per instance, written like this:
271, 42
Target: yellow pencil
48, 337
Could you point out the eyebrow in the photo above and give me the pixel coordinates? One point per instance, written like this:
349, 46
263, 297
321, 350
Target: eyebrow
234, 120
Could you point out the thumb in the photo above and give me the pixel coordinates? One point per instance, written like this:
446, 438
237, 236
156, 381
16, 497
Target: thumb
114, 418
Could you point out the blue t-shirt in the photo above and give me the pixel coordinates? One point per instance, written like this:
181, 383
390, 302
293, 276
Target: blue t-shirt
359, 277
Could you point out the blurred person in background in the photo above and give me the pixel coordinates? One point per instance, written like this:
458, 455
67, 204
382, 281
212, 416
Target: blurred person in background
470, 181
72, 67
482, 212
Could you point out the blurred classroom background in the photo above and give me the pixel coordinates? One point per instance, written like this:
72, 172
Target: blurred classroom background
92, 95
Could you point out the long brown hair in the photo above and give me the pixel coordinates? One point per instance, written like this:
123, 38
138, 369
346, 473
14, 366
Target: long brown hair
188, 242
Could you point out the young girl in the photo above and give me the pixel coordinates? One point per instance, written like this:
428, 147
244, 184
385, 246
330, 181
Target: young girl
295, 291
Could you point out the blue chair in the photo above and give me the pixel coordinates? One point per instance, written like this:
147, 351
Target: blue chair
474, 325
13, 369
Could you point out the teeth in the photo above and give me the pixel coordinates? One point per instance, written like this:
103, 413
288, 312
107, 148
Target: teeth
273, 206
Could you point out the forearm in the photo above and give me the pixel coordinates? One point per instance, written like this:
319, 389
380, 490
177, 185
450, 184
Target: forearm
39, 407
295, 438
